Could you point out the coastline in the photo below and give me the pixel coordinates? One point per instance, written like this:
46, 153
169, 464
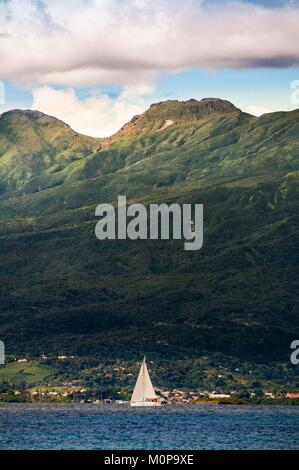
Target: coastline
13, 399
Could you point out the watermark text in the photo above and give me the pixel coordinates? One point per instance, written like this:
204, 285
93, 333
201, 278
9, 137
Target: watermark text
295, 354
2, 353
158, 222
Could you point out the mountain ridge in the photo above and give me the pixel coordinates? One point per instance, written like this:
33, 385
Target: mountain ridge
40, 152
64, 291
176, 111
199, 106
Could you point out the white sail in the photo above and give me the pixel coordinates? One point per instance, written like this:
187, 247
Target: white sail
144, 393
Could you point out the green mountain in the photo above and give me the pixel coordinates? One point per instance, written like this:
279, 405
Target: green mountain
65, 292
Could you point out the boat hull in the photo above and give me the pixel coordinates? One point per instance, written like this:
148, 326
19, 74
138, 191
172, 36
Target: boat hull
145, 403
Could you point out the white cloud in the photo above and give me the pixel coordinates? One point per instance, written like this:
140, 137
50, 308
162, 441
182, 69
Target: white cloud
84, 42
257, 110
97, 115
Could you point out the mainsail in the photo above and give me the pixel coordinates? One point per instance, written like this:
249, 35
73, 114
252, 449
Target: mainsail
144, 390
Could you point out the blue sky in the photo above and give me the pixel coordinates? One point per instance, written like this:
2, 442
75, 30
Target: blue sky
109, 60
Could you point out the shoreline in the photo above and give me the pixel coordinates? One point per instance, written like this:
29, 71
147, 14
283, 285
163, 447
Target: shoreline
215, 402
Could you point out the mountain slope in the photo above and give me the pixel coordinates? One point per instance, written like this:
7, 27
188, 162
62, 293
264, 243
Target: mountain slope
63, 290
200, 146
35, 149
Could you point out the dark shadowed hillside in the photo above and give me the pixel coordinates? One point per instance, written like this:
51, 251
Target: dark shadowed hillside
64, 291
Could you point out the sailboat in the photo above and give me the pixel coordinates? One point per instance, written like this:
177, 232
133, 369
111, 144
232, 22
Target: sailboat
144, 393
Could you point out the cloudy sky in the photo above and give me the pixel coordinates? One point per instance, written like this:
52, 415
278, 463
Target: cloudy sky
96, 63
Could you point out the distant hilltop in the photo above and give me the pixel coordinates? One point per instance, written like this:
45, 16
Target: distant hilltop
233, 302
210, 139
205, 104
163, 114
172, 111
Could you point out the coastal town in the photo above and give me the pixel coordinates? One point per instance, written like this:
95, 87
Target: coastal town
72, 392
25, 380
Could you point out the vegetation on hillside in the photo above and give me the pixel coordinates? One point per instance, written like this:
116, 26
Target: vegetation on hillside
64, 292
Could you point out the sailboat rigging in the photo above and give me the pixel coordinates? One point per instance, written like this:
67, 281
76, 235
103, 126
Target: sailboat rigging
144, 393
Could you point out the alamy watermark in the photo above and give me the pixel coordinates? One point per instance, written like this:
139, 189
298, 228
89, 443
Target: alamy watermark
295, 354
157, 222
2, 92
295, 92
2, 353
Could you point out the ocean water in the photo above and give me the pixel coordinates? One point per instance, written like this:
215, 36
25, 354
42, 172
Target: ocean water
84, 426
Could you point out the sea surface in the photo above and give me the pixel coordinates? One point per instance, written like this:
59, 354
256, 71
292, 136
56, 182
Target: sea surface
97, 426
